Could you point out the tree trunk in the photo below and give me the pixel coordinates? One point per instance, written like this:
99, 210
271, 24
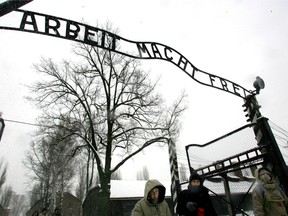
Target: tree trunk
105, 207
87, 171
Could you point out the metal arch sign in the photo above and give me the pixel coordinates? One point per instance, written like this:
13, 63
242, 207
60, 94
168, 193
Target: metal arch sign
38, 23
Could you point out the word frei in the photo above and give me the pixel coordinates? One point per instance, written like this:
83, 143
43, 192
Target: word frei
38, 23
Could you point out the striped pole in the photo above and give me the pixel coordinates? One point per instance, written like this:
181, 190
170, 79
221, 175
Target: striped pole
175, 184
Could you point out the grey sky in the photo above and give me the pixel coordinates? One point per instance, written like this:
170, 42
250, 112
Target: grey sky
237, 40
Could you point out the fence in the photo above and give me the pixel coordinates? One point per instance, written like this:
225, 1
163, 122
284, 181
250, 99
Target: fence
228, 164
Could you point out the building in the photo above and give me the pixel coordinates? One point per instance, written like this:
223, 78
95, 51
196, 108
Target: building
70, 205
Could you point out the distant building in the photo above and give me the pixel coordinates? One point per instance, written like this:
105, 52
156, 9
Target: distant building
70, 206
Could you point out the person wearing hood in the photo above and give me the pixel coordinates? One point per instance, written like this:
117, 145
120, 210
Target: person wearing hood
195, 201
153, 203
268, 198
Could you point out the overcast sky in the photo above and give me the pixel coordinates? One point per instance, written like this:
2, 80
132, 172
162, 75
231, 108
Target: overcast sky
234, 39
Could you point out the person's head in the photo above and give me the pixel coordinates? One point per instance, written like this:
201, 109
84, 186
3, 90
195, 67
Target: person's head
264, 175
195, 182
195, 179
154, 191
154, 195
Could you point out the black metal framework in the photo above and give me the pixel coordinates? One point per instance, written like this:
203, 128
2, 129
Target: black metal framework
48, 25
11, 5
238, 155
234, 163
243, 159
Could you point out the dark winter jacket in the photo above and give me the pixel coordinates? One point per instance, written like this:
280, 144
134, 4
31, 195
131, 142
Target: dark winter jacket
145, 208
268, 199
200, 198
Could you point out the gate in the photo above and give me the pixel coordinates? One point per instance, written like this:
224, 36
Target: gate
244, 155
228, 164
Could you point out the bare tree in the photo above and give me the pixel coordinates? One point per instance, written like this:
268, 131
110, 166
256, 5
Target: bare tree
5, 190
51, 165
81, 188
116, 175
108, 104
183, 173
91, 177
18, 205
143, 174
35, 194
6, 196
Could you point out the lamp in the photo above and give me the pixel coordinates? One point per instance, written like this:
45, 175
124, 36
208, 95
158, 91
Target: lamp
258, 84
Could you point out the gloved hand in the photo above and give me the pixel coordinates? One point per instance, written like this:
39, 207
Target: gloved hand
191, 206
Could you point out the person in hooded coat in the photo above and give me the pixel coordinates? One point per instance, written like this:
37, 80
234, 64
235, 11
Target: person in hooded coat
268, 198
195, 201
153, 203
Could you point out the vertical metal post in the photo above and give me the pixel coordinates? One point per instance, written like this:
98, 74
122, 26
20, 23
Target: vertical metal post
252, 108
175, 184
228, 195
274, 159
264, 136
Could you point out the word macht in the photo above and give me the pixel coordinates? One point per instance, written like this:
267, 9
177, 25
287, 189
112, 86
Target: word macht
38, 23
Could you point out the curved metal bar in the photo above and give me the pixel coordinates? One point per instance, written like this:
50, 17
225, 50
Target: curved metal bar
44, 24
